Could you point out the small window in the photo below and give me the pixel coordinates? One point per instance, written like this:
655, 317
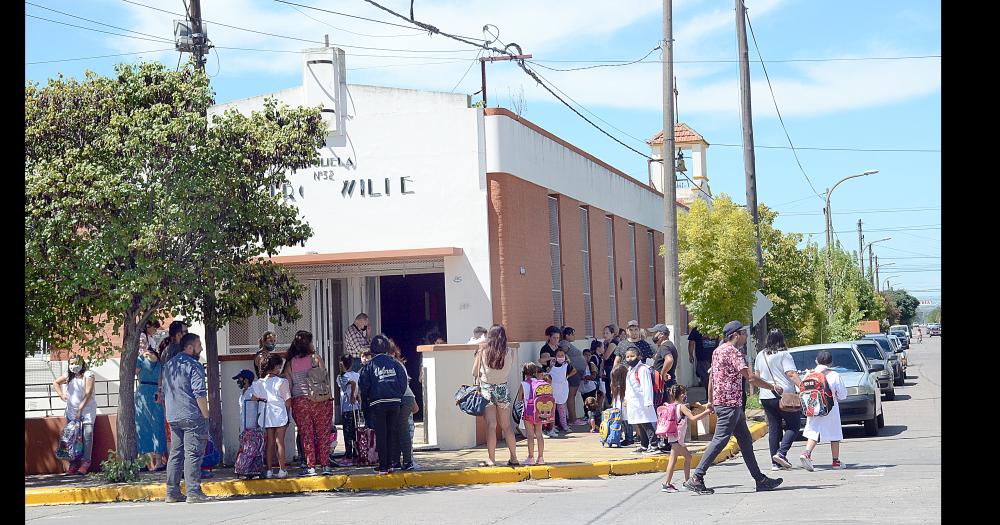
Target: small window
557, 304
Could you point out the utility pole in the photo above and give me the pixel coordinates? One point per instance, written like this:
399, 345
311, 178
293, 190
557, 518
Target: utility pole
876, 274
671, 300
871, 266
484, 60
861, 249
197, 34
749, 165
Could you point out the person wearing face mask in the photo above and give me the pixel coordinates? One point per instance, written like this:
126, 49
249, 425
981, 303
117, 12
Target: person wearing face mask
560, 370
150, 430
80, 406
185, 396
267, 342
639, 401
356, 340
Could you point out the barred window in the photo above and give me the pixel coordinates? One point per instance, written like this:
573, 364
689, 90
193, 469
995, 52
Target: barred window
652, 273
557, 304
631, 268
609, 222
588, 305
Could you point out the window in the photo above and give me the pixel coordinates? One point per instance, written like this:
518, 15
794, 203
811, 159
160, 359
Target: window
557, 310
609, 222
631, 267
652, 273
588, 305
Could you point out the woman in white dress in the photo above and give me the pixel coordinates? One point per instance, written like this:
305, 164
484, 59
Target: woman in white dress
80, 406
826, 427
639, 401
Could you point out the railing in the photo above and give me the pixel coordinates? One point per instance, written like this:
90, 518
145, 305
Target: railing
41, 400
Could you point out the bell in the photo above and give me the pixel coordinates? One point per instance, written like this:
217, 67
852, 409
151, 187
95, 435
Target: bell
680, 162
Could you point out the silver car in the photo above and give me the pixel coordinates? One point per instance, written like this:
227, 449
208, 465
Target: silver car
864, 402
873, 353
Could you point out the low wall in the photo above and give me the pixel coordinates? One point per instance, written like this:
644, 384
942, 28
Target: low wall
41, 437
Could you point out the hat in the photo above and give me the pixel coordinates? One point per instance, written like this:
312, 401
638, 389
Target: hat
244, 373
659, 327
632, 323
730, 328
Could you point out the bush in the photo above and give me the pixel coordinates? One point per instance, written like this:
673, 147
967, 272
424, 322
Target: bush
116, 469
753, 402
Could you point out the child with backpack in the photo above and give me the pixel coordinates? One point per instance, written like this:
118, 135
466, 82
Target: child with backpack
615, 429
675, 416
820, 390
350, 403
561, 371
592, 413
250, 457
639, 401
538, 409
274, 417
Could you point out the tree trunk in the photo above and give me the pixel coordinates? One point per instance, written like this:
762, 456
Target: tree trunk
214, 388
126, 444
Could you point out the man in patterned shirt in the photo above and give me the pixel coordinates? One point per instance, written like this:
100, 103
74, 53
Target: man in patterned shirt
356, 340
725, 393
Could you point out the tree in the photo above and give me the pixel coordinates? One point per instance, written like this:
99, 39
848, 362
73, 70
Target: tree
907, 305
135, 207
787, 280
891, 309
718, 267
934, 316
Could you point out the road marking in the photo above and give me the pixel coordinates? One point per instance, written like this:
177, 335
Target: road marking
875, 473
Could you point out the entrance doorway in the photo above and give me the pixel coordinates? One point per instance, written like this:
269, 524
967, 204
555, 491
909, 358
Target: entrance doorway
413, 310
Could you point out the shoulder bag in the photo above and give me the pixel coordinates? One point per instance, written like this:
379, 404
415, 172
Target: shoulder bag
790, 401
318, 383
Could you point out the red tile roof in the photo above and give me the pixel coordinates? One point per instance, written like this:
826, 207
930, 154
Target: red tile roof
682, 135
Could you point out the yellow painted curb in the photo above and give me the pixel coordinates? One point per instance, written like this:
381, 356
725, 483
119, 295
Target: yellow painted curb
633, 466
375, 482
240, 487
580, 470
538, 471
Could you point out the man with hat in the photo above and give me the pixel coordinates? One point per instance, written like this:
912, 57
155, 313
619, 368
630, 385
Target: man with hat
665, 360
633, 339
725, 393
248, 412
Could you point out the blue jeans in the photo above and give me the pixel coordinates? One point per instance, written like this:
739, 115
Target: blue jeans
778, 440
187, 449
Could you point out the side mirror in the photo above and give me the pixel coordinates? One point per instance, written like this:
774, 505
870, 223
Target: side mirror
876, 367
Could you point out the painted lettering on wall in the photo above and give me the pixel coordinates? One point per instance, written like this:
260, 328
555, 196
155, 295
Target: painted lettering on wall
288, 191
369, 188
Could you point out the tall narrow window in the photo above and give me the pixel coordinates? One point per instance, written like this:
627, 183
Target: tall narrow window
652, 273
588, 305
631, 268
609, 222
557, 304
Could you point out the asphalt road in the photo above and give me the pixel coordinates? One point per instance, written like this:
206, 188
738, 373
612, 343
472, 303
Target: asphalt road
894, 477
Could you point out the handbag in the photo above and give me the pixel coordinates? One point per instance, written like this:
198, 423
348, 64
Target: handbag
318, 383
470, 400
790, 401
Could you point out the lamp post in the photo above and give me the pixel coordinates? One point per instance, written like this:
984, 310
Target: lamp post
871, 265
887, 281
829, 238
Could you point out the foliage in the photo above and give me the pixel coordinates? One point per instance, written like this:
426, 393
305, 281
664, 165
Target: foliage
718, 267
907, 305
135, 207
116, 469
787, 281
934, 316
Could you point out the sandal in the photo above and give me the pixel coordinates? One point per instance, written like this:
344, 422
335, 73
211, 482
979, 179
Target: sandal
512, 463
487, 464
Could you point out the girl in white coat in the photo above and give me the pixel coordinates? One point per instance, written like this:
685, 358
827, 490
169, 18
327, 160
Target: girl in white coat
826, 427
639, 401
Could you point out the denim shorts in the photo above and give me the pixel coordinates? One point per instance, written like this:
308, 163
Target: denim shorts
496, 394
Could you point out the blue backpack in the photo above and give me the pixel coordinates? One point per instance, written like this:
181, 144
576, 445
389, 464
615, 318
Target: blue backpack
612, 429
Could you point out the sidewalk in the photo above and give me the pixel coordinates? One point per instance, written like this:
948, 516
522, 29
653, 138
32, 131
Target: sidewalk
575, 455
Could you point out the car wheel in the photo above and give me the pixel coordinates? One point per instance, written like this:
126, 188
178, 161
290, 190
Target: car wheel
881, 419
890, 395
898, 380
871, 426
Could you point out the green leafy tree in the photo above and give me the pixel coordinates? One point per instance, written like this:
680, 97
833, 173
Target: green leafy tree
891, 309
718, 267
788, 281
135, 207
934, 316
907, 305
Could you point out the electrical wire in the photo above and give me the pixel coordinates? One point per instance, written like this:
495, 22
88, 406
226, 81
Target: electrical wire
98, 23
729, 61
651, 51
899, 229
360, 17
846, 212
97, 57
776, 109
157, 40
307, 15
472, 63
869, 150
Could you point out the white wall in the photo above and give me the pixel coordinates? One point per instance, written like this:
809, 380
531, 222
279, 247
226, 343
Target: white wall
521, 151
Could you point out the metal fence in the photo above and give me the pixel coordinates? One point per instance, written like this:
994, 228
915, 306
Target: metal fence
41, 399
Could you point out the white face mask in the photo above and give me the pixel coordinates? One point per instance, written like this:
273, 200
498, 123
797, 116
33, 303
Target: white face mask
75, 368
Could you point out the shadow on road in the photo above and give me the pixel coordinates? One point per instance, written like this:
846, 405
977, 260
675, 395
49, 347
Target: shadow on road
855, 466
900, 397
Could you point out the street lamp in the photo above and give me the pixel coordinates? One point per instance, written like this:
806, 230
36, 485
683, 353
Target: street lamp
887, 281
871, 266
829, 238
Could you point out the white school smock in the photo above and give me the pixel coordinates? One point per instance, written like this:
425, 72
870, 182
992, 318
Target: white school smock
560, 385
76, 389
639, 395
276, 391
827, 427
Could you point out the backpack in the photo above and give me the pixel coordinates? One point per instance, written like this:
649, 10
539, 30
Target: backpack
71, 442
817, 398
317, 383
612, 430
212, 455
666, 420
539, 407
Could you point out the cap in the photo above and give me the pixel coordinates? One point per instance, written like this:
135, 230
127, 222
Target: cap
244, 373
731, 327
632, 323
660, 327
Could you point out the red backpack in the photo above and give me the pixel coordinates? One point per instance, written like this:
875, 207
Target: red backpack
817, 398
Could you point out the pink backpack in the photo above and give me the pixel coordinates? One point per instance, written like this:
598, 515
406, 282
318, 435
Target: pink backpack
666, 420
539, 407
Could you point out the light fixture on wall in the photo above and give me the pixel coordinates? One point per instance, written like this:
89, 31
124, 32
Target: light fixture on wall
680, 162
522, 270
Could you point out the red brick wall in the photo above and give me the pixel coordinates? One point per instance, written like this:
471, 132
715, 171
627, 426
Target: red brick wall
572, 263
642, 275
41, 437
599, 270
623, 276
660, 289
520, 221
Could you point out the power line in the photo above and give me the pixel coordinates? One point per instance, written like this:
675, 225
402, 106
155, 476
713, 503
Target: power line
158, 40
98, 23
598, 65
870, 150
776, 109
846, 212
900, 229
347, 30
97, 57
363, 18
727, 61
912, 257
472, 63
907, 251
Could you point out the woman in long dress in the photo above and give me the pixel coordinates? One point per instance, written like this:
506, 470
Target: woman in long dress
149, 416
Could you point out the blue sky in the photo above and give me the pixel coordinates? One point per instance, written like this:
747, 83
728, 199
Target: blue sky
864, 104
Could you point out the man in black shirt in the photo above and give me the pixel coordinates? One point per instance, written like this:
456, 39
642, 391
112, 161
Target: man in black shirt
633, 339
553, 334
665, 361
700, 349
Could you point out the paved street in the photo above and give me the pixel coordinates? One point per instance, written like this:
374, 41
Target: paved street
892, 478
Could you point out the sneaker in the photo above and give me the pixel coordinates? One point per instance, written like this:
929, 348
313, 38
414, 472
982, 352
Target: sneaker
268, 474
580, 421
327, 471
768, 484
198, 498
381, 472
282, 473
781, 460
396, 466
376, 470
652, 451
668, 488
409, 466
807, 462
311, 471
207, 474
639, 450
174, 499
697, 485
775, 467
836, 464
84, 466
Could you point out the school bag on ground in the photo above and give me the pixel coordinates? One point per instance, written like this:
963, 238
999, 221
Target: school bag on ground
212, 455
364, 443
71, 441
666, 420
540, 406
817, 398
612, 429
250, 457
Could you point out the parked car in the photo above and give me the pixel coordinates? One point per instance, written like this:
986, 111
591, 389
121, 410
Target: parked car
903, 338
903, 327
874, 354
900, 351
934, 329
898, 371
864, 402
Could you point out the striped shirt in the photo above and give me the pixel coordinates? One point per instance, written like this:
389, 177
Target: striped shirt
355, 341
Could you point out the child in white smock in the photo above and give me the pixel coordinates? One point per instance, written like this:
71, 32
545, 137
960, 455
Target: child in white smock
560, 371
274, 417
825, 427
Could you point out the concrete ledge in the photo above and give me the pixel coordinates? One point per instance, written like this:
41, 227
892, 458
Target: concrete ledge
398, 480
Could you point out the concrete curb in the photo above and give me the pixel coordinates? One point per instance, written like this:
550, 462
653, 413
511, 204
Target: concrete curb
398, 480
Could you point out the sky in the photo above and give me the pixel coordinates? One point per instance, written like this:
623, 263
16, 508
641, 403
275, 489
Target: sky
870, 102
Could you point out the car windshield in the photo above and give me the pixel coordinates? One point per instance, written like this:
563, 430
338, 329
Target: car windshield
843, 359
899, 334
884, 343
870, 351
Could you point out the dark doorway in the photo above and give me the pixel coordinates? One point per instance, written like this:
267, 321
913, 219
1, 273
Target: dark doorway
413, 310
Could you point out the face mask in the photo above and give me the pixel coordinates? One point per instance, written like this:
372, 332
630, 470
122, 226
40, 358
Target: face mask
560, 360
633, 362
75, 368
269, 346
